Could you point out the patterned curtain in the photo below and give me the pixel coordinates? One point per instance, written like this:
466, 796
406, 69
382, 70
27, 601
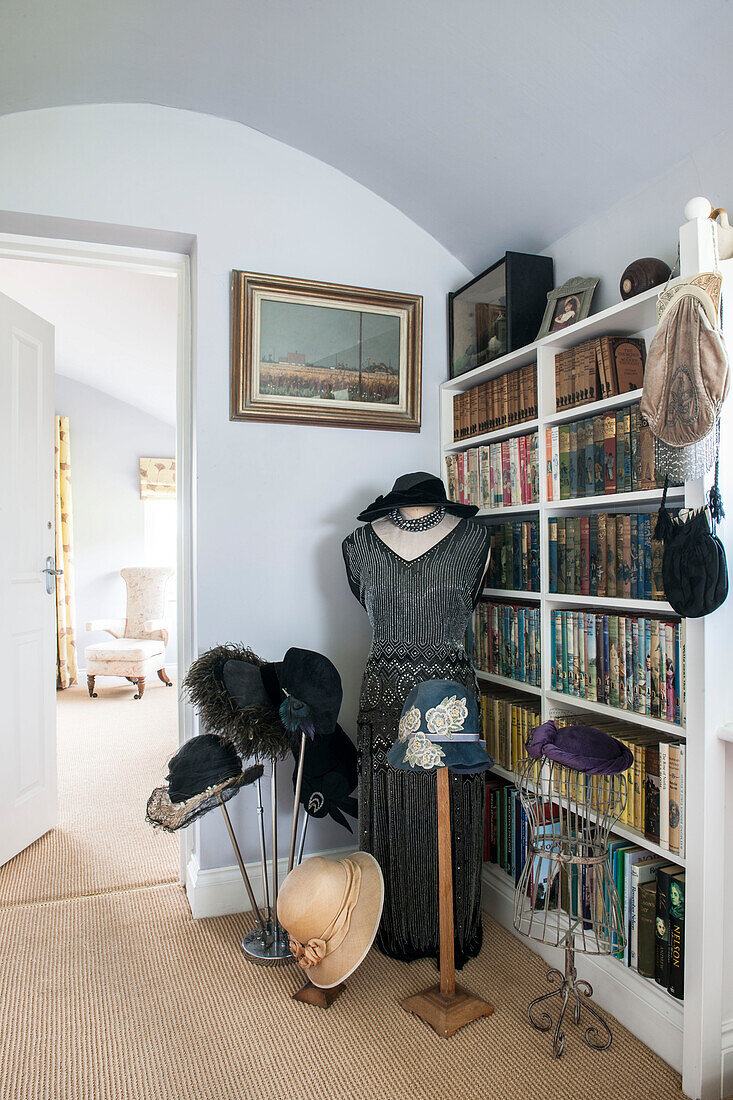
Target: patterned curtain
66, 668
157, 478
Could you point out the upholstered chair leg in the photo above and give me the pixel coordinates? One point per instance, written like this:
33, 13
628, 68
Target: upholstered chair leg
140, 687
90, 687
163, 675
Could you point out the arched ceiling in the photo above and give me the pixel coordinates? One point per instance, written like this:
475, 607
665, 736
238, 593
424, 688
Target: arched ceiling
491, 123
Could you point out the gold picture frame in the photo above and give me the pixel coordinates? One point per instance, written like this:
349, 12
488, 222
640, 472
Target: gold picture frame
305, 352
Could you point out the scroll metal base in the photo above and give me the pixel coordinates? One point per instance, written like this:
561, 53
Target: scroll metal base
268, 946
446, 1014
310, 994
575, 992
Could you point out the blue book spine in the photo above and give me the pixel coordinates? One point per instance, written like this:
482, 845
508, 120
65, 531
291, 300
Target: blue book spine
677, 700
647, 557
534, 554
517, 555
522, 646
552, 553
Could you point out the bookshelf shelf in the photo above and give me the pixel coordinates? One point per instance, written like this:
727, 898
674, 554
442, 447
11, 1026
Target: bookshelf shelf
510, 594
507, 682
509, 510
620, 829
524, 427
667, 1025
616, 712
613, 603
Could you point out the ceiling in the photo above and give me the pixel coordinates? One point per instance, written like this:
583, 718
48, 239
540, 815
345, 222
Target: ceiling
491, 124
116, 330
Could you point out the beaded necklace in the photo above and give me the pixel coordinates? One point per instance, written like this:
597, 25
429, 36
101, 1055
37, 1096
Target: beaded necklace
423, 523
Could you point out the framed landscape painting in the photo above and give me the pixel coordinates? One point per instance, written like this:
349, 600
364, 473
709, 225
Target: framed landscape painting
319, 353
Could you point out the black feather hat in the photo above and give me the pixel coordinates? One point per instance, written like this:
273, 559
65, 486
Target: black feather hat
263, 707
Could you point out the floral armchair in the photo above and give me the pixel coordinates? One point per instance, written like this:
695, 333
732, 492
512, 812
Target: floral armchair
138, 648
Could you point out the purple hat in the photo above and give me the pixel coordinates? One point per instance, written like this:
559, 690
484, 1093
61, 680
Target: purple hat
583, 748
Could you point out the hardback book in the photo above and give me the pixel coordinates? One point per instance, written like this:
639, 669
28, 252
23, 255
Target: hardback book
613, 659
610, 555
661, 932
561, 554
647, 477
555, 463
610, 387
548, 462
593, 549
629, 356
651, 794
590, 475
646, 907
552, 552
625, 557
682, 751
598, 457
642, 871
621, 662
664, 795
584, 587
591, 679
602, 555
564, 451
570, 552
673, 750
579, 428
609, 451
620, 449
668, 678
676, 982
573, 460
627, 450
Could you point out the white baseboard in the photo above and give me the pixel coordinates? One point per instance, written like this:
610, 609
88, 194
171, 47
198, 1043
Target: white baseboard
220, 890
726, 1058
651, 1014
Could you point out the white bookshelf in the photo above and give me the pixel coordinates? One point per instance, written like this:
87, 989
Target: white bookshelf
687, 1034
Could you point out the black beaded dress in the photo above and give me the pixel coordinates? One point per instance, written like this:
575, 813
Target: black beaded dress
419, 611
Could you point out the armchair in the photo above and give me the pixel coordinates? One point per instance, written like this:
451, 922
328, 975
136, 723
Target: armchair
140, 639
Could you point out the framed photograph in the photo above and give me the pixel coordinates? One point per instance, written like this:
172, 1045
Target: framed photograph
319, 353
567, 304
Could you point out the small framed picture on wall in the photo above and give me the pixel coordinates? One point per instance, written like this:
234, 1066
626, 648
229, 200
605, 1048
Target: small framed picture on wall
320, 353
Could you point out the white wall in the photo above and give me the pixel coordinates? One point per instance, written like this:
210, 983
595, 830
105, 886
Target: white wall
274, 501
108, 437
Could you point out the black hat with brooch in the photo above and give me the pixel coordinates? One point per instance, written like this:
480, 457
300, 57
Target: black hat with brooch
205, 772
330, 775
416, 490
264, 707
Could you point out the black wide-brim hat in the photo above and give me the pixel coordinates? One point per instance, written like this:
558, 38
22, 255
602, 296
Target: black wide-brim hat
330, 775
205, 773
414, 491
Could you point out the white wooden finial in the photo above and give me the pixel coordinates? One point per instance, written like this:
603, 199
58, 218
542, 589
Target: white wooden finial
698, 208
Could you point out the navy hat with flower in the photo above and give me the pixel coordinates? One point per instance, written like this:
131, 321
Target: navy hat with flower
439, 728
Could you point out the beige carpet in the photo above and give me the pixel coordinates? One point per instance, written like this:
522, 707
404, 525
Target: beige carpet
112, 751
125, 997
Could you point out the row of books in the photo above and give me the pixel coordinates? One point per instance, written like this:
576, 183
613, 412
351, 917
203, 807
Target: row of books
496, 475
514, 561
504, 639
507, 720
655, 783
633, 663
609, 453
605, 554
497, 403
599, 368
651, 890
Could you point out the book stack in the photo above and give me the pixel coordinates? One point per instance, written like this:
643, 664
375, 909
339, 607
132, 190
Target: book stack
655, 784
597, 369
514, 561
605, 554
498, 403
633, 663
496, 475
507, 721
609, 453
652, 895
505, 828
504, 640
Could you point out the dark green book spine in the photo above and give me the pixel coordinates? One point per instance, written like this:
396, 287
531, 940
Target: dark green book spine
552, 553
661, 929
564, 448
561, 554
570, 550
677, 936
590, 474
573, 460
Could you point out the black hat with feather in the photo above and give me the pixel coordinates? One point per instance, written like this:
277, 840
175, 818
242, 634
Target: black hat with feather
330, 775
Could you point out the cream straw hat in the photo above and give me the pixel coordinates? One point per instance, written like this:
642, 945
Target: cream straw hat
331, 911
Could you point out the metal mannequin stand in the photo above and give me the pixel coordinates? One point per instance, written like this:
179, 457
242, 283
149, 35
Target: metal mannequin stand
566, 896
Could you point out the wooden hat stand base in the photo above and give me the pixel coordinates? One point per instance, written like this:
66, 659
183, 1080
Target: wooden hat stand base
446, 1007
310, 994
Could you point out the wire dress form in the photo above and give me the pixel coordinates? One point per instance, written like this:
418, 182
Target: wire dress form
566, 896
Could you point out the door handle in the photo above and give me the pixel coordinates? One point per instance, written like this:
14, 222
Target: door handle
51, 572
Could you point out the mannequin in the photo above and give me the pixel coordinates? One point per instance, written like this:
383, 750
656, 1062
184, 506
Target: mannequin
418, 588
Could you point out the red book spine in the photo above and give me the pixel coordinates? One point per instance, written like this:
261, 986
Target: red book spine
523, 473
506, 483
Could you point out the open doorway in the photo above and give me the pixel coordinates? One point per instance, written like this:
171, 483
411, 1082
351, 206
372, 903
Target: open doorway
119, 543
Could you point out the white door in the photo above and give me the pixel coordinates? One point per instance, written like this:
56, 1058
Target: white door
27, 608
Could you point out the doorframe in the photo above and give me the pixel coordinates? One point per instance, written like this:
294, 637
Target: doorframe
80, 253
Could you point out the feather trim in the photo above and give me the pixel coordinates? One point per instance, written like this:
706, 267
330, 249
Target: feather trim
254, 731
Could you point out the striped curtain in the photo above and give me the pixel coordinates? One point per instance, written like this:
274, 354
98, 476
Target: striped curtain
66, 667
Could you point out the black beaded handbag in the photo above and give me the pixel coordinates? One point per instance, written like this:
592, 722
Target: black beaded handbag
694, 567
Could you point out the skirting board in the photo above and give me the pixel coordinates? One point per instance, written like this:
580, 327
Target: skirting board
652, 1015
726, 1068
220, 890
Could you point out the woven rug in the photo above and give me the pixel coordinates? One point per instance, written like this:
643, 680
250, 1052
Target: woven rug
125, 997
112, 751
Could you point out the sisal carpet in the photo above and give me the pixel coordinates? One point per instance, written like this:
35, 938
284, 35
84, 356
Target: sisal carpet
112, 751
125, 997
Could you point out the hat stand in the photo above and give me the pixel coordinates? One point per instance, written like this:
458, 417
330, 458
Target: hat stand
447, 1007
269, 944
310, 994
